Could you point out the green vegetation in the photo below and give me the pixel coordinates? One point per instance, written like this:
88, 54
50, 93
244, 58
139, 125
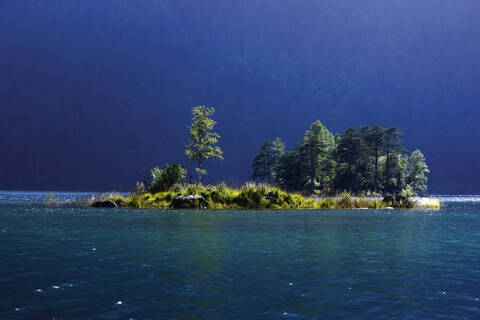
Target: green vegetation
267, 160
249, 196
368, 160
417, 172
315, 152
202, 144
428, 204
164, 179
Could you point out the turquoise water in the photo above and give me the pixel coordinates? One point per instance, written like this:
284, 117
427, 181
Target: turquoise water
82, 263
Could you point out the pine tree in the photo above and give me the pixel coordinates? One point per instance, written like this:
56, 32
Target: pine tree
376, 141
417, 172
266, 162
316, 152
393, 147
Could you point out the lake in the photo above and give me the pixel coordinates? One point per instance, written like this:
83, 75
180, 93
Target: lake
83, 263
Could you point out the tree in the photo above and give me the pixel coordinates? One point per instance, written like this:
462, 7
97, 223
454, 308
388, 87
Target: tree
393, 147
398, 163
165, 178
202, 143
352, 158
266, 161
417, 172
355, 160
290, 171
316, 152
376, 140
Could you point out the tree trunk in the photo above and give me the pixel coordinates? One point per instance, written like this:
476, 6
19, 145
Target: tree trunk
387, 172
312, 175
188, 171
376, 170
200, 171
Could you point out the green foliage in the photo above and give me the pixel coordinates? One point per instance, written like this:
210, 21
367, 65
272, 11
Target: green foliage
393, 149
310, 166
354, 170
364, 160
253, 197
328, 203
290, 172
315, 151
165, 178
265, 164
428, 203
375, 139
140, 188
417, 172
405, 199
202, 144
258, 197
356, 160
344, 201
368, 159
371, 159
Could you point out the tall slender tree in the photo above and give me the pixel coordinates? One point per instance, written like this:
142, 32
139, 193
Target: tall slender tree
202, 144
393, 147
266, 162
290, 171
316, 152
376, 141
417, 172
352, 161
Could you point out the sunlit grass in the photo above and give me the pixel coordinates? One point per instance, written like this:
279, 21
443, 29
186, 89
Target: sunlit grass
255, 197
428, 203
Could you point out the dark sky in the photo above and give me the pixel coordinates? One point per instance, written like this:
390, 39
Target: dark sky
93, 92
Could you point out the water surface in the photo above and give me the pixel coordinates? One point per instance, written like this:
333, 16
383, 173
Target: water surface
83, 263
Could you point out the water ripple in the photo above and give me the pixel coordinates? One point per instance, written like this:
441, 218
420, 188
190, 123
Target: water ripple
368, 264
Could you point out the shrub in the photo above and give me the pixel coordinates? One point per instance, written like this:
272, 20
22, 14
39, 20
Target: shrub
362, 203
428, 203
328, 204
140, 188
167, 177
405, 199
345, 201
261, 196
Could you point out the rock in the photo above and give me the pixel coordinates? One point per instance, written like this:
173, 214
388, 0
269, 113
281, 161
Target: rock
104, 204
190, 202
388, 198
272, 197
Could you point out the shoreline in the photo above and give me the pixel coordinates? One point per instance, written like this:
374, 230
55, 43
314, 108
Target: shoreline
259, 197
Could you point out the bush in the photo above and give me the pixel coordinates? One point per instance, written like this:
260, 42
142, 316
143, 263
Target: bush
345, 201
328, 204
164, 179
258, 196
140, 188
252, 197
405, 199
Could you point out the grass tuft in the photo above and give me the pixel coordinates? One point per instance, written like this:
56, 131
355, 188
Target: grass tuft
251, 196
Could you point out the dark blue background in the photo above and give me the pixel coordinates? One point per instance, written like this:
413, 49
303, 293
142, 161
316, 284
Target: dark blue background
92, 92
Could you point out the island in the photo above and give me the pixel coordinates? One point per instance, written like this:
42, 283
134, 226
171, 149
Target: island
355, 169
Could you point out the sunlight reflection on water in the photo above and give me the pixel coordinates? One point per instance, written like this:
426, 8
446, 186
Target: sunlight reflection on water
362, 264
457, 198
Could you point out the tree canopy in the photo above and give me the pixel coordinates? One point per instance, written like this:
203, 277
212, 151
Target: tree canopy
368, 159
266, 161
202, 144
417, 172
